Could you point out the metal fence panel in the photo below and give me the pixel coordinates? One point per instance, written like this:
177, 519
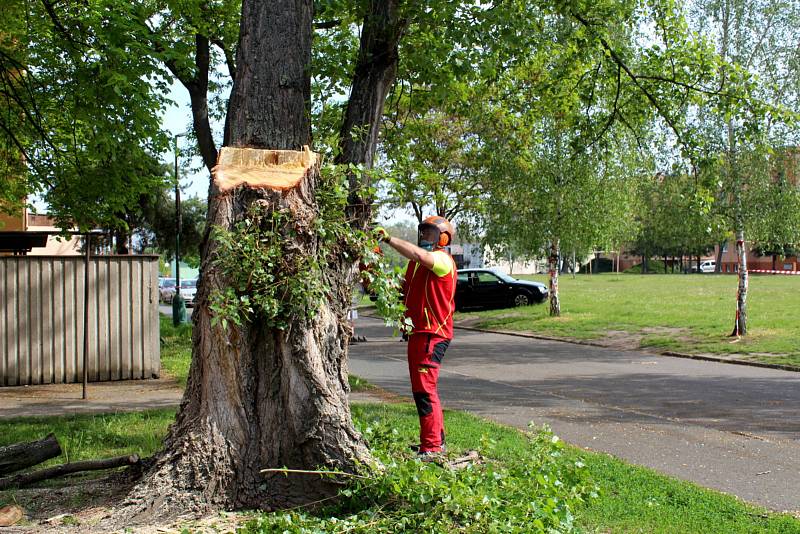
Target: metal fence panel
41, 319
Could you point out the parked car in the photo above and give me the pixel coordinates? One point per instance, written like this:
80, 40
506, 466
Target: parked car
486, 288
188, 290
706, 266
166, 289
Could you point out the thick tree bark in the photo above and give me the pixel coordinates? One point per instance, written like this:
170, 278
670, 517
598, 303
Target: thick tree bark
555, 302
740, 323
22, 455
259, 397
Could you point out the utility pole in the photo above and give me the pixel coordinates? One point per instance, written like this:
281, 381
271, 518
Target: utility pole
178, 304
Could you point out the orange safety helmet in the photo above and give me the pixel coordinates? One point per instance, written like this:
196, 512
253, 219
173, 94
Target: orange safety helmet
446, 230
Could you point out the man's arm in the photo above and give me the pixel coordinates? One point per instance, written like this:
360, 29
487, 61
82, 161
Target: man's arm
410, 251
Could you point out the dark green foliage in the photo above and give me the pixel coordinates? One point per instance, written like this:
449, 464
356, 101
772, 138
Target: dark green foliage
81, 105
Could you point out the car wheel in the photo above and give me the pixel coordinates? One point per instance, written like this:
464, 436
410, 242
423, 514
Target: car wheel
521, 299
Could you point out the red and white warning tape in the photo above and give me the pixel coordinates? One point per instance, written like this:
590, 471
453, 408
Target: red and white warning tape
769, 271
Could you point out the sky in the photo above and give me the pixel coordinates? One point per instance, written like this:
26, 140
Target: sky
175, 119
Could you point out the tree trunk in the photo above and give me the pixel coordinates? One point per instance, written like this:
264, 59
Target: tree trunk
21, 455
376, 69
121, 238
574, 265
555, 303
740, 324
665, 265
718, 265
644, 264
259, 397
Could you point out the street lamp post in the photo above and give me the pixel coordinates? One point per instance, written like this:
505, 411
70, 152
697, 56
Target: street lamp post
178, 304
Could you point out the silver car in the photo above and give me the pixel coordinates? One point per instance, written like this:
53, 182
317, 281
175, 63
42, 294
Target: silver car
166, 289
188, 290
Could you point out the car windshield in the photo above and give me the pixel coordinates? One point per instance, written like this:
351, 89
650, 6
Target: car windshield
168, 283
188, 283
504, 277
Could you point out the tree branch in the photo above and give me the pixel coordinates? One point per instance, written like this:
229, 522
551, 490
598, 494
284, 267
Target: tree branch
230, 60
51, 13
198, 96
635, 79
613, 114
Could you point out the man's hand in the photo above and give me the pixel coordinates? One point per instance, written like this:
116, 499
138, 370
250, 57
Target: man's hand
381, 234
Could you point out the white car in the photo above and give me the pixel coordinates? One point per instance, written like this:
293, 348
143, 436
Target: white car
188, 290
706, 266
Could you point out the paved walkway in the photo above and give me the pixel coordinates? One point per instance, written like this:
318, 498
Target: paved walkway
104, 397
728, 427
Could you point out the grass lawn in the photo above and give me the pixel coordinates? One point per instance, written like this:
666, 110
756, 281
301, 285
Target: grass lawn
630, 499
685, 313
525, 477
176, 349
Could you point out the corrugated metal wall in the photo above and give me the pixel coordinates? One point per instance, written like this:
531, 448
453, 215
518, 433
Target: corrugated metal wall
41, 319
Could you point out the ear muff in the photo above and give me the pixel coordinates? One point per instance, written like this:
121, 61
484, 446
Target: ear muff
444, 227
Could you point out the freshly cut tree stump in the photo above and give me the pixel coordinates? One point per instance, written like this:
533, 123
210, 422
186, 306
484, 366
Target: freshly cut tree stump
279, 170
22, 455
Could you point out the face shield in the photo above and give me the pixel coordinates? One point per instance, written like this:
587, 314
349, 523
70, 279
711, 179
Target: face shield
427, 236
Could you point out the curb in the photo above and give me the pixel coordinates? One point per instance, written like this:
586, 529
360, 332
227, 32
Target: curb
780, 366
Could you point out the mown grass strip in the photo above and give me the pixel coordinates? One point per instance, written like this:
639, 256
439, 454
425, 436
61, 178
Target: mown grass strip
682, 313
631, 499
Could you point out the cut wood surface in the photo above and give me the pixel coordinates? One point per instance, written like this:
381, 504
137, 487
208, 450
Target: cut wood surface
65, 469
10, 515
22, 455
260, 168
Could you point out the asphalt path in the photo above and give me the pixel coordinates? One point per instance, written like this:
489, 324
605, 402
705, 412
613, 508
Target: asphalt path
732, 428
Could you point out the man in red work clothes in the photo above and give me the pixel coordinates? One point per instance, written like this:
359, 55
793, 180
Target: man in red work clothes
429, 289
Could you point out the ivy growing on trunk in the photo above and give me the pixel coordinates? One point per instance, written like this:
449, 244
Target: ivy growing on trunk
268, 283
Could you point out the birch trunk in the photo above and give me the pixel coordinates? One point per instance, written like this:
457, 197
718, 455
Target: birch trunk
555, 303
740, 324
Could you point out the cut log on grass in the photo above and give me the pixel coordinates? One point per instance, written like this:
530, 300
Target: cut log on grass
23, 455
10, 515
24, 479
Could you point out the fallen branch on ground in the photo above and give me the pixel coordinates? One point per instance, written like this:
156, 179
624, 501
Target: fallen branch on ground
23, 455
66, 469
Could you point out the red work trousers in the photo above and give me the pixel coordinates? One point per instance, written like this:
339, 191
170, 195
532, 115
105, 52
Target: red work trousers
425, 353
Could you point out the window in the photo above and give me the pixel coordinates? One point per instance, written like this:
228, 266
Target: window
487, 278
